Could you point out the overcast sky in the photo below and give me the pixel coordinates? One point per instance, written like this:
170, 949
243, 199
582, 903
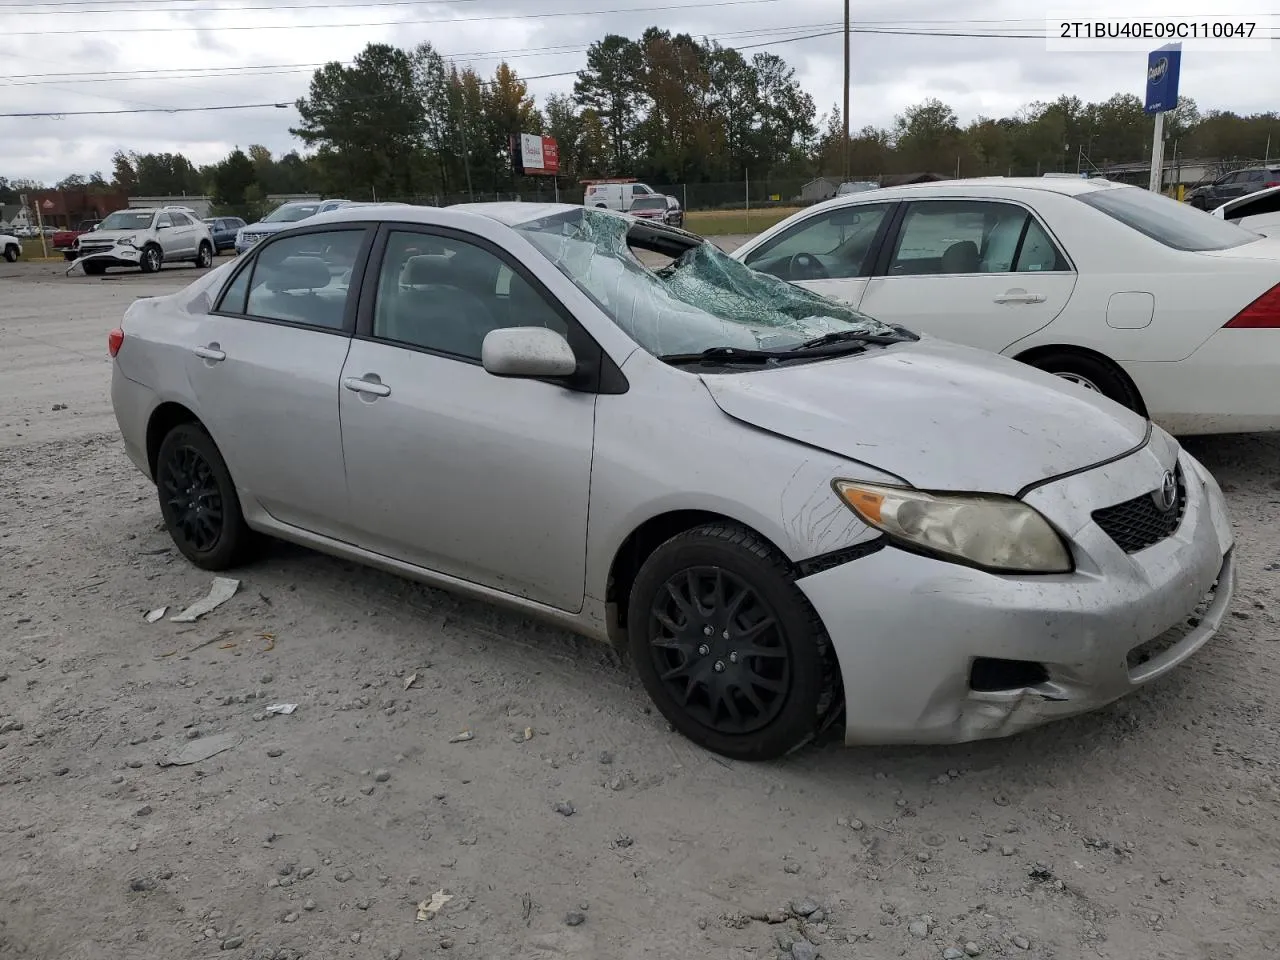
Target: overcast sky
88, 38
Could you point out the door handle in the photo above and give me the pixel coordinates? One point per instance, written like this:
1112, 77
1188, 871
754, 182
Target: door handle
1020, 298
211, 352
371, 387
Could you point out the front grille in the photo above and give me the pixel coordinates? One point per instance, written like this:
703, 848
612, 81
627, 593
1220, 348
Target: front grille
1145, 520
252, 237
95, 248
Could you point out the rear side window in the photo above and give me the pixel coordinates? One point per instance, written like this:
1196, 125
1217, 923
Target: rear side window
1176, 225
303, 280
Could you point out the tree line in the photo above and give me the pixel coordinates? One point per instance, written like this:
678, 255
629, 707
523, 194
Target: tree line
666, 108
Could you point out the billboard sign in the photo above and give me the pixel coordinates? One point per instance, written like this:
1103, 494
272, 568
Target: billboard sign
534, 155
1163, 67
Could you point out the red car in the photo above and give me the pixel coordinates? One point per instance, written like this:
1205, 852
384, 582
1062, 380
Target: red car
658, 207
65, 240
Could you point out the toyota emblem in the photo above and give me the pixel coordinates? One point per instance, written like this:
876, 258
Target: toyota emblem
1167, 496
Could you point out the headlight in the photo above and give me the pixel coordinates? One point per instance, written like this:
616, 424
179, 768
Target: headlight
992, 532
127, 241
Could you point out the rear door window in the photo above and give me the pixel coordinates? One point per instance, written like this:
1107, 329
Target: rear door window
303, 280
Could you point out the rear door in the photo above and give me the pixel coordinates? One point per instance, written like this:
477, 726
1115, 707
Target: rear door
831, 253
265, 369
980, 272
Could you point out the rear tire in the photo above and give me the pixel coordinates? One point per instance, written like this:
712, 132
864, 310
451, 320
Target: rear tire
728, 648
198, 500
1090, 373
11, 253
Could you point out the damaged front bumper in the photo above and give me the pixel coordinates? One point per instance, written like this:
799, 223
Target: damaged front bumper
934, 652
118, 255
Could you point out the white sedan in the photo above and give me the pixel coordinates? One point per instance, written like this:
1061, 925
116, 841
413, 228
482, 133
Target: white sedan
10, 247
1158, 306
1258, 211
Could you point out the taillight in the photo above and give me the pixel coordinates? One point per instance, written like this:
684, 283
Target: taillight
1263, 312
114, 341
1271, 183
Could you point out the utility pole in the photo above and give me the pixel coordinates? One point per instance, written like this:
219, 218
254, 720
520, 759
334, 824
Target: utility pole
845, 114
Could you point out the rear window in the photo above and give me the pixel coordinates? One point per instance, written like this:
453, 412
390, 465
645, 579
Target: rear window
1174, 224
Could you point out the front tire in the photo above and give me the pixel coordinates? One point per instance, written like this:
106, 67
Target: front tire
94, 268
198, 500
1091, 374
204, 257
11, 253
728, 648
152, 259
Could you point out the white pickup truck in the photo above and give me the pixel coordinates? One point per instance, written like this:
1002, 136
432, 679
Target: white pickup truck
616, 194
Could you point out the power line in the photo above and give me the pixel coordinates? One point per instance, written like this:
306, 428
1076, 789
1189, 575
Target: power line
268, 69
702, 4
286, 105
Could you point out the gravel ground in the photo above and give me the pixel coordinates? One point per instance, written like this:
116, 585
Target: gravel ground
572, 823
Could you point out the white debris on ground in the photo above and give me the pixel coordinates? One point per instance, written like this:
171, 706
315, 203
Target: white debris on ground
1147, 829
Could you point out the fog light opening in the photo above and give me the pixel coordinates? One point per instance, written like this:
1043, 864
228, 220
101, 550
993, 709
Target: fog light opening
990, 674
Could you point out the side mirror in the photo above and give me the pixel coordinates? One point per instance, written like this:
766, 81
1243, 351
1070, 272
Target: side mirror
527, 352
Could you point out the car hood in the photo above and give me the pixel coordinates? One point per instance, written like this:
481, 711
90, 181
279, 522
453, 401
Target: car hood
272, 227
937, 415
110, 236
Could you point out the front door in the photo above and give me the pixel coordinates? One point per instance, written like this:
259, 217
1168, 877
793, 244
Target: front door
830, 253
979, 272
265, 369
449, 468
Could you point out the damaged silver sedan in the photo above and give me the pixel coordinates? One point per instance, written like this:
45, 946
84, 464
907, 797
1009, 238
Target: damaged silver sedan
791, 516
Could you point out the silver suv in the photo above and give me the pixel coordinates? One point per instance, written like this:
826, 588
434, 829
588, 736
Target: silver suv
145, 237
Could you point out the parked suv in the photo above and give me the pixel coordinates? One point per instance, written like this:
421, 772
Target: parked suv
1237, 183
145, 237
224, 230
658, 207
283, 216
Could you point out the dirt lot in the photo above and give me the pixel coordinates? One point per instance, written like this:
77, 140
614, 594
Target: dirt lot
1147, 830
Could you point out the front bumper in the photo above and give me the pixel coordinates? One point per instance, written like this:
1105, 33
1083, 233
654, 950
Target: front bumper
119, 255
907, 629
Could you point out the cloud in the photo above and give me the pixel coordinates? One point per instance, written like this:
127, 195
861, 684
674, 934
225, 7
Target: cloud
975, 75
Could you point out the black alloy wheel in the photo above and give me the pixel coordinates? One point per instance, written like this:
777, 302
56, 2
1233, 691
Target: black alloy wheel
728, 647
198, 499
716, 644
195, 502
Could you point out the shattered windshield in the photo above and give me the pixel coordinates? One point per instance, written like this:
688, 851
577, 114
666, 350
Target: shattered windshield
702, 301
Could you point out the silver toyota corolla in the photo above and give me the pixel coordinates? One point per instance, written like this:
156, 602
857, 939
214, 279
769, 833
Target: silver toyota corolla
789, 514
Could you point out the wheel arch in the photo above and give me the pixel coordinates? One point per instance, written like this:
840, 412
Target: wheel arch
1030, 357
637, 546
163, 419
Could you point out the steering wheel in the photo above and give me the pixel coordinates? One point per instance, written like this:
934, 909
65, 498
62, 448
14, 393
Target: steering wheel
805, 266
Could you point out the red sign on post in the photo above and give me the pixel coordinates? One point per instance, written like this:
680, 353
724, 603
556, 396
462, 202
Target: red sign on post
537, 155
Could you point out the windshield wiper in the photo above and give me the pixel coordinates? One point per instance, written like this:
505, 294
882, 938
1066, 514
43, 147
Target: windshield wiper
725, 355
851, 337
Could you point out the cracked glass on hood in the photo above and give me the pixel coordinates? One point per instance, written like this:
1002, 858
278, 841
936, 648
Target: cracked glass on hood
702, 300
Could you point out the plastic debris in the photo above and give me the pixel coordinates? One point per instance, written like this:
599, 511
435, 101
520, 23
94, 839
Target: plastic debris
463, 737
157, 614
282, 708
202, 749
429, 908
223, 589
410, 680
